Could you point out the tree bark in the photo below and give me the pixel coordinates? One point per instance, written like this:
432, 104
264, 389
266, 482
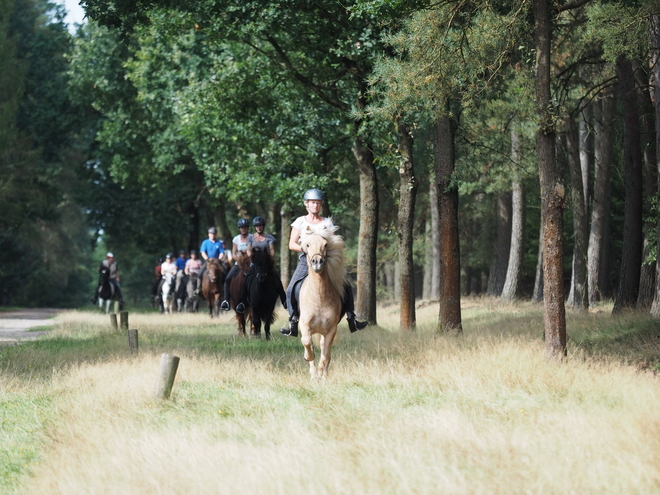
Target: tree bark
514, 268
552, 191
428, 259
368, 233
585, 152
537, 295
500, 262
655, 63
647, 136
450, 265
580, 297
407, 197
603, 143
631, 257
435, 237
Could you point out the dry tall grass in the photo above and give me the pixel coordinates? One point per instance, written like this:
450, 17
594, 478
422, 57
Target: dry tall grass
400, 413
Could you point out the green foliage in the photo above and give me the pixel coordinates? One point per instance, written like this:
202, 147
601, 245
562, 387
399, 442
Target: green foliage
42, 230
620, 28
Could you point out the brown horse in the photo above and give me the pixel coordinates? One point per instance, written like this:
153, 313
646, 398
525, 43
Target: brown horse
321, 294
236, 293
212, 284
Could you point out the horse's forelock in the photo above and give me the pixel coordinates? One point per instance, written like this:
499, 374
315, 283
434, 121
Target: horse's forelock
334, 259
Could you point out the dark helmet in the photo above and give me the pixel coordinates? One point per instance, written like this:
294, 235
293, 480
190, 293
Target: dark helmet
212, 230
183, 251
258, 221
243, 223
168, 256
314, 194
160, 260
193, 251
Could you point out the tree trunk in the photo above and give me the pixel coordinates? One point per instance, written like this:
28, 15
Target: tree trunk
428, 260
580, 299
285, 254
585, 153
537, 295
552, 191
647, 136
603, 143
435, 237
407, 198
450, 263
655, 54
514, 268
368, 234
500, 262
631, 256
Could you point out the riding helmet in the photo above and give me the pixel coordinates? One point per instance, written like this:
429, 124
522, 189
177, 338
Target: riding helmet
243, 223
168, 256
212, 230
258, 221
183, 251
314, 195
160, 260
109, 255
193, 251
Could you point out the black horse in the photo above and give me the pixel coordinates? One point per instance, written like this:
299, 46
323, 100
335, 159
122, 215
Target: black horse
262, 288
107, 292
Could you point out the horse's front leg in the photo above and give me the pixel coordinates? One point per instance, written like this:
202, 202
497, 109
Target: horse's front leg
309, 352
326, 349
255, 327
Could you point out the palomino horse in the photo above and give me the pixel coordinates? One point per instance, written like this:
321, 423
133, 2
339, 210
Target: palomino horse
107, 292
263, 287
236, 293
321, 294
167, 293
212, 284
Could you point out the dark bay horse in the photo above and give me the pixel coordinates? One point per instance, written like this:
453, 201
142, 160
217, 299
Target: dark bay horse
212, 284
236, 294
263, 288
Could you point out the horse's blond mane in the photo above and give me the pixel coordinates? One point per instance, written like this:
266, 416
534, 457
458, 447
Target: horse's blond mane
334, 253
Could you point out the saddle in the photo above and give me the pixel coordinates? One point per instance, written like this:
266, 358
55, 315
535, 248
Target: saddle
295, 297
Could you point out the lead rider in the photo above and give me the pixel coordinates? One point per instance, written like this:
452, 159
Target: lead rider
313, 200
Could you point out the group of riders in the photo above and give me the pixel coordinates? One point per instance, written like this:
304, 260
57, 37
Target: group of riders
242, 245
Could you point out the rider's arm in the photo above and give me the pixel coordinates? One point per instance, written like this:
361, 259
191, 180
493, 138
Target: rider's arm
293, 240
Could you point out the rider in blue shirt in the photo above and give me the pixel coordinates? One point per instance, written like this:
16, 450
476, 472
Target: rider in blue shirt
210, 248
180, 265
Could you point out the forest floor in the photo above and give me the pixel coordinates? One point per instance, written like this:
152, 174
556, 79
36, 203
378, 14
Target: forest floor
25, 324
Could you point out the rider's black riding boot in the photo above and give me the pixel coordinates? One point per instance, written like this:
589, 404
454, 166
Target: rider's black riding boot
291, 328
355, 324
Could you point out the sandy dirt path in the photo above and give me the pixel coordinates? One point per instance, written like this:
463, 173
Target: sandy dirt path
15, 325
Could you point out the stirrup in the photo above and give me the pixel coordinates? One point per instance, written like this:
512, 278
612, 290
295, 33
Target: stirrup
290, 329
224, 305
355, 324
240, 308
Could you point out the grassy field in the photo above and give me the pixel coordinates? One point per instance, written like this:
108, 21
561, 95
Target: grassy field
401, 412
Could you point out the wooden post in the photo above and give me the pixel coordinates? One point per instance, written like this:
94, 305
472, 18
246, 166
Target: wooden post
113, 321
132, 340
168, 366
123, 319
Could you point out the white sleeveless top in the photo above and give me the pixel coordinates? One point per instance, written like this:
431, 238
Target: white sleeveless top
301, 222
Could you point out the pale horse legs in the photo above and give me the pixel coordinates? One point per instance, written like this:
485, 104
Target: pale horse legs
324, 361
